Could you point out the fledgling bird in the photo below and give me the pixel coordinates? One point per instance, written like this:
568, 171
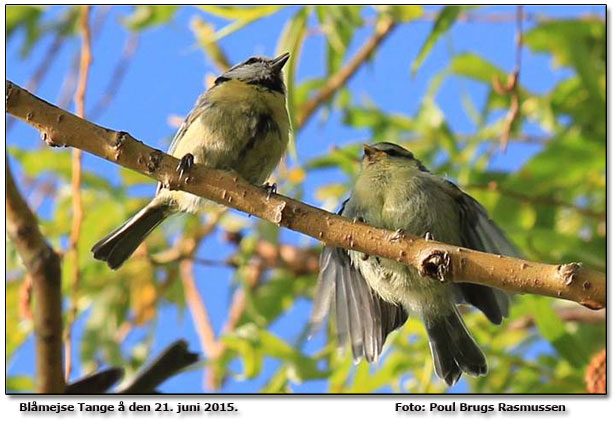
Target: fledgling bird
373, 296
241, 123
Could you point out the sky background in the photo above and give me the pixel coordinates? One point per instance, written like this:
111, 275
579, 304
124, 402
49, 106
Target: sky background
167, 74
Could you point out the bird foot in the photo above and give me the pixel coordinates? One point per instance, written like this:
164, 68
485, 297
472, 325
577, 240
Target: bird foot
185, 164
271, 189
428, 236
398, 235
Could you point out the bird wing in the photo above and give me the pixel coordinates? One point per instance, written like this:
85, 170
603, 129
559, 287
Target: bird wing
361, 316
480, 233
200, 104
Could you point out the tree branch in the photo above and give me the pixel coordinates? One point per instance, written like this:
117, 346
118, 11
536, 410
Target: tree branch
382, 30
433, 259
512, 86
197, 307
84, 70
43, 266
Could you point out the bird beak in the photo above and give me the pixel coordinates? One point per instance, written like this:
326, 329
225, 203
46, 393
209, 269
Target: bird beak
278, 63
373, 155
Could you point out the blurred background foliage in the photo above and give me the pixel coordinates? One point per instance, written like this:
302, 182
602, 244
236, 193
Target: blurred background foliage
552, 204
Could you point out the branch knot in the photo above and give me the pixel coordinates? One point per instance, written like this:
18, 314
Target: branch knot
437, 265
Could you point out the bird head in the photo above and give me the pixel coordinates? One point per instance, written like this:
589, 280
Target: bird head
260, 71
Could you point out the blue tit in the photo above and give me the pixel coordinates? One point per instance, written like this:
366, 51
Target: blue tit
373, 296
241, 124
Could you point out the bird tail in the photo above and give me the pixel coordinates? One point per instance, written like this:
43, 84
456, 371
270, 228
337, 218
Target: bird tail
117, 246
453, 349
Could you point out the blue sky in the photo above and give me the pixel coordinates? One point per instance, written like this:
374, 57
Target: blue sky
167, 74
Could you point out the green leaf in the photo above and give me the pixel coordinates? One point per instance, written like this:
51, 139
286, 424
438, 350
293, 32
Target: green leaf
302, 91
278, 295
19, 384
145, 16
28, 18
17, 329
401, 14
553, 329
300, 367
339, 24
132, 178
476, 67
345, 158
444, 21
35, 162
244, 13
545, 172
244, 341
206, 37
580, 44
241, 16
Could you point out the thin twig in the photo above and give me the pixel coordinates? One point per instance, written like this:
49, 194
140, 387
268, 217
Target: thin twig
253, 276
117, 76
84, 69
70, 81
569, 314
383, 28
197, 307
512, 86
493, 186
186, 248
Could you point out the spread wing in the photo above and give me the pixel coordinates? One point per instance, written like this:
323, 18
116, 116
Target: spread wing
361, 316
480, 233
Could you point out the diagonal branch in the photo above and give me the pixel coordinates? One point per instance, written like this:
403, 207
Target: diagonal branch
383, 28
43, 266
84, 70
200, 316
442, 261
512, 85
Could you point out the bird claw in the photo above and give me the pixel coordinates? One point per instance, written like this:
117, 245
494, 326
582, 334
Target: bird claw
271, 189
185, 164
428, 236
398, 235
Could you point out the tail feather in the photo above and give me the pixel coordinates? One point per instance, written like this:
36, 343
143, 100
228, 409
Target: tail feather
453, 349
117, 246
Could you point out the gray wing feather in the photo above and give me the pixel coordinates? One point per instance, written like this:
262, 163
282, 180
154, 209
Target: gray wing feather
361, 316
325, 288
341, 309
355, 325
480, 233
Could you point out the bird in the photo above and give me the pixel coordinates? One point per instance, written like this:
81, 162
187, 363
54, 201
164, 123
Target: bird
373, 296
241, 123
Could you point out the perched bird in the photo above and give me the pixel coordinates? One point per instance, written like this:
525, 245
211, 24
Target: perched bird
241, 123
373, 296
